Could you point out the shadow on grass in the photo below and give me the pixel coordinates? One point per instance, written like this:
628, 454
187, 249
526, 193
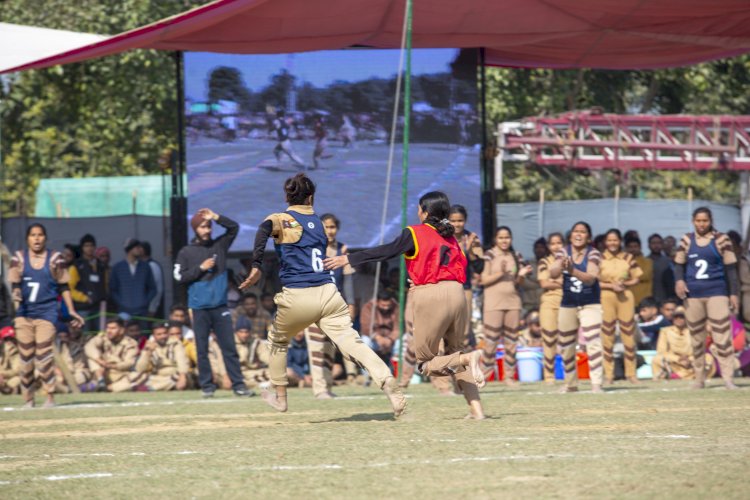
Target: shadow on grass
359, 417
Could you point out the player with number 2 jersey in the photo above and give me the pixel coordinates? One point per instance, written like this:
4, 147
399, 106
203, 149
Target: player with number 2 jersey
706, 279
309, 294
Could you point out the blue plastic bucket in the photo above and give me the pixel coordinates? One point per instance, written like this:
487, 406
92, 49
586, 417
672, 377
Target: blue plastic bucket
559, 368
529, 361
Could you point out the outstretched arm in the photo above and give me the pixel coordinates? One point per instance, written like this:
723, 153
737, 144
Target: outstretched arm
404, 244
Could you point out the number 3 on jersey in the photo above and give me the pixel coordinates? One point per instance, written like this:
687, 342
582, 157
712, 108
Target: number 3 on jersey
702, 266
317, 262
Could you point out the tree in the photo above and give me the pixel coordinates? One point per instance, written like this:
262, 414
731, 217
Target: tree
226, 83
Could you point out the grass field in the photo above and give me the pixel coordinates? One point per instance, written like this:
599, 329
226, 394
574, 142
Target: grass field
655, 439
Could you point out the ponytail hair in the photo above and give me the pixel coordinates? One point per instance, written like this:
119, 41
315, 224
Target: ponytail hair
298, 189
436, 206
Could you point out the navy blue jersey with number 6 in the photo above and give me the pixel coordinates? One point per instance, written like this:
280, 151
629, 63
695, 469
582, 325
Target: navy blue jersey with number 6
302, 262
704, 272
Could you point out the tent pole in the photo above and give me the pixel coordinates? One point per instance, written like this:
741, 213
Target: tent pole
404, 184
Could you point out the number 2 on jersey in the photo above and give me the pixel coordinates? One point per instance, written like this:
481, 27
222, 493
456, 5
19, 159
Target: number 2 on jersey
317, 262
702, 266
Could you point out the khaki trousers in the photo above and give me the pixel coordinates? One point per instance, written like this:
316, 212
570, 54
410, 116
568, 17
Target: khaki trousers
321, 352
589, 319
323, 306
618, 307
35, 345
548, 314
715, 312
503, 324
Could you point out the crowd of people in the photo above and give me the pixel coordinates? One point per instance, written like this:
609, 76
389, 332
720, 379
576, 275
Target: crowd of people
70, 321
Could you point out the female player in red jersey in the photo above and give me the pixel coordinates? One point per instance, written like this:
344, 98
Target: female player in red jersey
437, 267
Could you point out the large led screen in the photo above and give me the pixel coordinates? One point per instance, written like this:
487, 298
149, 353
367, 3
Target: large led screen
254, 120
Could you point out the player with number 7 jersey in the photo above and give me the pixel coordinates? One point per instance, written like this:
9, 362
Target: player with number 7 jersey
309, 294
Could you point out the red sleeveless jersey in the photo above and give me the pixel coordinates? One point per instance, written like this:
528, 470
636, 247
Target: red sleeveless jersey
435, 258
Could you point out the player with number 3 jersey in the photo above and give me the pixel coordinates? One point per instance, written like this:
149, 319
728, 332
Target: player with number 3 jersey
706, 279
37, 276
309, 294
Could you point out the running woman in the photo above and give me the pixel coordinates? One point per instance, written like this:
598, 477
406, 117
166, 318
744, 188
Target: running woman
620, 272
549, 307
437, 268
321, 141
309, 295
503, 271
578, 263
37, 276
706, 279
284, 143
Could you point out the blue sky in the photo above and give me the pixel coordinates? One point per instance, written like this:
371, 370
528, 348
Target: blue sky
318, 68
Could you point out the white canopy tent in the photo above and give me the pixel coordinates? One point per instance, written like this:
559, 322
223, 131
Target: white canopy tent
23, 44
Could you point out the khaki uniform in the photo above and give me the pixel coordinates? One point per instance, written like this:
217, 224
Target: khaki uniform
710, 311
73, 356
743, 266
10, 367
674, 354
124, 354
549, 309
321, 353
350, 367
253, 356
645, 287
502, 310
618, 307
163, 366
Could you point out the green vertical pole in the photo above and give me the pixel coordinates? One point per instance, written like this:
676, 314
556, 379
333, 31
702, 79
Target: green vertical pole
405, 183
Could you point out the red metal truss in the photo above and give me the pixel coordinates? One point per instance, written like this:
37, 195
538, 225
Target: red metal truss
608, 141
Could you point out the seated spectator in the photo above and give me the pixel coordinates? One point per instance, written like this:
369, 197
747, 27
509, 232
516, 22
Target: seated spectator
253, 353
257, 317
668, 307
298, 364
674, 352
379, 324
133, 330
10, 362
111, 356
163, 361
531, 336
179, 313
175, 329
219, 371
650, 322
266, 301
72, 344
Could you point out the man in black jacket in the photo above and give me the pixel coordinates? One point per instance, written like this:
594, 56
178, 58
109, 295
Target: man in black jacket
202, 266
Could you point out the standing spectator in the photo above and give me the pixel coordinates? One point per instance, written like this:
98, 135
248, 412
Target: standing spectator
472, 248
156, 307
503, 272
37, 276
663, 285
743, 270
646, 284
70, 253
382, 314
103, 256
112, 356
343, 277
259, 319
10, 362
531, 291
202, 266
650, 322
132, 284
549, 310
87, 283
6, 302
619, 274
670, 244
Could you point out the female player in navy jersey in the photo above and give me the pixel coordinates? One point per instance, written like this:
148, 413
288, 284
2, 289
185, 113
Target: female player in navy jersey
437, 267
37, 276
579, 264
309, 294
706, 279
